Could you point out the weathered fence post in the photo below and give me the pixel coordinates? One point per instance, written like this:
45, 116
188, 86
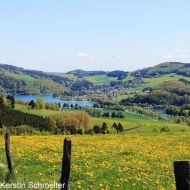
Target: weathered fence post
182, 175
66, 164
8, 153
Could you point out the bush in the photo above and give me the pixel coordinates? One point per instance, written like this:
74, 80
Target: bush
40, 104
81, 131
71, 121
188, 122
154, 130
120, 127
178, 120
97, 129
172, 110
94, 112
165, 129
22, 130
104, 128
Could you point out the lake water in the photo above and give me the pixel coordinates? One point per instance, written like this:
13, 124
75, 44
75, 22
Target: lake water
161, 111
50, 99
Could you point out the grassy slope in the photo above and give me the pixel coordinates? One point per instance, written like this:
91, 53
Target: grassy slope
104, 79
125, 161
26, 109
34, 85
131, 120
25, 78
151, 82
135, 160
100, 79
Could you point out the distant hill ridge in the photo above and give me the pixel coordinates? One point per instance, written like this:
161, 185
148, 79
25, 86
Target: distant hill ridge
164, 68
82, 73
17, 80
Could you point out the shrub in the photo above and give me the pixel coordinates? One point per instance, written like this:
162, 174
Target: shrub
71, 121
94, 112
97, 129
172, 110
120, 127
165, 129
22, 130
81, 131
188, 122
154, 130
104, 128
115, 126
40, 103
178, 120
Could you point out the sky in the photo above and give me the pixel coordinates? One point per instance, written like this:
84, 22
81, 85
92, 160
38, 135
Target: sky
63, 35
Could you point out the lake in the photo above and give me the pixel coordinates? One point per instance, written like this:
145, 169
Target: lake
50, 99
161, 111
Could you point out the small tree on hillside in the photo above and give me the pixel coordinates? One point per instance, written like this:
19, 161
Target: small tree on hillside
12, 101
104, 128
32, 104
40, 103
120, 127
106, 114
96, 129
113, 115
115, 127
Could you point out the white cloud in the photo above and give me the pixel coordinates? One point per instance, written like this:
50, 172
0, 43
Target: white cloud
119, 56
82, 54
176, 57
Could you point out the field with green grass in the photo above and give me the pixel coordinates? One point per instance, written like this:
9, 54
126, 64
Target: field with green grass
100, 79
43, 112
138, 159
130, 160
131, 120
152, 82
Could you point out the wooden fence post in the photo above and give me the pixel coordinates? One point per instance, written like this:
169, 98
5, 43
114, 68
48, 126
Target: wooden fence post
66, 164
182, 175
8, 153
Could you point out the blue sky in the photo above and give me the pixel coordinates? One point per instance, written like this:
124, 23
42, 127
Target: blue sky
62, 35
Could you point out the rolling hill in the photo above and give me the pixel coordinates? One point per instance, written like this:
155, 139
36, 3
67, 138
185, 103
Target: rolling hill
164, 68
16, 80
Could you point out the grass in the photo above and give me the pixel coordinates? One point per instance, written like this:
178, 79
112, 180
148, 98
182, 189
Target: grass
135, 160
44, 112
130, 120
25, 78
152, 82
125, 161
100, 79
123, 96
129, 77
148, 125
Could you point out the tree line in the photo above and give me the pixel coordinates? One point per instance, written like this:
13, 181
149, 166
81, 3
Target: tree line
104, 128
100, 113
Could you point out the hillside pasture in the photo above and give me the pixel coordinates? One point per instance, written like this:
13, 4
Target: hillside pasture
125, 161
100, 79
130, 120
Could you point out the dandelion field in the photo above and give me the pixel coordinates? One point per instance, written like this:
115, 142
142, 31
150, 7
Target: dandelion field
125, 161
